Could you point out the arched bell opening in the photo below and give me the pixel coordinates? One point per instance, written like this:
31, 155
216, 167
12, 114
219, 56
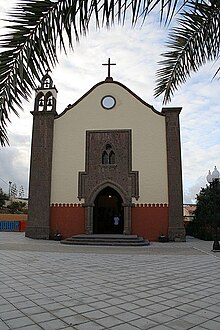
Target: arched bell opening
107, 205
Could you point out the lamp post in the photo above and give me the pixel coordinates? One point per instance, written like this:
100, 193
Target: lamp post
9, 189
213, 180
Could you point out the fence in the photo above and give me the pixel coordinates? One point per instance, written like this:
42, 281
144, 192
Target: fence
9, 225
13, 222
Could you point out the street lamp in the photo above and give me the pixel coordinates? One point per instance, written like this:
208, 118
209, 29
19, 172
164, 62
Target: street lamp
9, 189
213, 180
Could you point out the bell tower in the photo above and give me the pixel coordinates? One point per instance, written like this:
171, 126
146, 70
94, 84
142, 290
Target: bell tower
41, 160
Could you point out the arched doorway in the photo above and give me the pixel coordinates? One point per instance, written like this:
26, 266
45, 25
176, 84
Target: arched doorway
107, 204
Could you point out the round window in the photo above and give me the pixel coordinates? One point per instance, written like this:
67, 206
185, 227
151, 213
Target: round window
108, 102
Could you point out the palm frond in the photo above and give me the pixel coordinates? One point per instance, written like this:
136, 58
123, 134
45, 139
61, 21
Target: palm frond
195, 41
31, 48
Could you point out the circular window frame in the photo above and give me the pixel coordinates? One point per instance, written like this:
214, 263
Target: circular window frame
106, 107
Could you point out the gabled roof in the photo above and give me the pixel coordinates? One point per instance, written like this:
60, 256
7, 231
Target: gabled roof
70, 106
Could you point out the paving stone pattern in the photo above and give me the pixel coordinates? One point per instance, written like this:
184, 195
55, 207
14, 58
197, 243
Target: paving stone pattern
120, 289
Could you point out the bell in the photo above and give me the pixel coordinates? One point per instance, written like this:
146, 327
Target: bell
41, 103
49, 102
47, 83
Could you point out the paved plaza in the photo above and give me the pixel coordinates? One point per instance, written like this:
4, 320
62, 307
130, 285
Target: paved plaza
164, 286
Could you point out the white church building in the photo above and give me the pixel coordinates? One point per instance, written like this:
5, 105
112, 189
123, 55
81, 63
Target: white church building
109, 153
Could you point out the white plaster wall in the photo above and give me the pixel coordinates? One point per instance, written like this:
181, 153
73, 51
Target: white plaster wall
148, 143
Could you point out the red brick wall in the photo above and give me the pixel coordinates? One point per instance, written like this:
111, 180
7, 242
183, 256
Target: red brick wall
13, 217
67, 219
150, 220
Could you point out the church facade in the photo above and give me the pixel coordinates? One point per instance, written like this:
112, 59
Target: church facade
108, 154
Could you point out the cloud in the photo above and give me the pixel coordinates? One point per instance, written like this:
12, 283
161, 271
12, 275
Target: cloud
200, 119
191, 193
14, 161
134, 51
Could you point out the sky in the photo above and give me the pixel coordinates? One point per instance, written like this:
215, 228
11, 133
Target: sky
136, 52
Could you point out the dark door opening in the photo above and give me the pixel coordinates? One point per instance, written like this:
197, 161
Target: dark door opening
108, 204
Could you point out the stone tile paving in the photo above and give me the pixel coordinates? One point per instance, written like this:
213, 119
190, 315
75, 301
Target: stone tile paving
110, 288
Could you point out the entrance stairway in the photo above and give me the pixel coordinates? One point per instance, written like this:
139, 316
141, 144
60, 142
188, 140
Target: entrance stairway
107, 240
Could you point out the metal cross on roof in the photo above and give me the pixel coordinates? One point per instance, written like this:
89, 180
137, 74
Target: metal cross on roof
109, 69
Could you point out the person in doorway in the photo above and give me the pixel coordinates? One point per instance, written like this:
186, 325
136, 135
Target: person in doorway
116, 223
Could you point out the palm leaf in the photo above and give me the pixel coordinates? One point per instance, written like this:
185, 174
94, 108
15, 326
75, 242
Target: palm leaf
195, 41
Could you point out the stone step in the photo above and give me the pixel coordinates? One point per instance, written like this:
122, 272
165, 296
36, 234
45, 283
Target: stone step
106, 239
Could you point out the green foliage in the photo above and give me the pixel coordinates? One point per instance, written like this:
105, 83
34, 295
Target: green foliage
3, 198
207, 214
42, 27
193, 42
17, 207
